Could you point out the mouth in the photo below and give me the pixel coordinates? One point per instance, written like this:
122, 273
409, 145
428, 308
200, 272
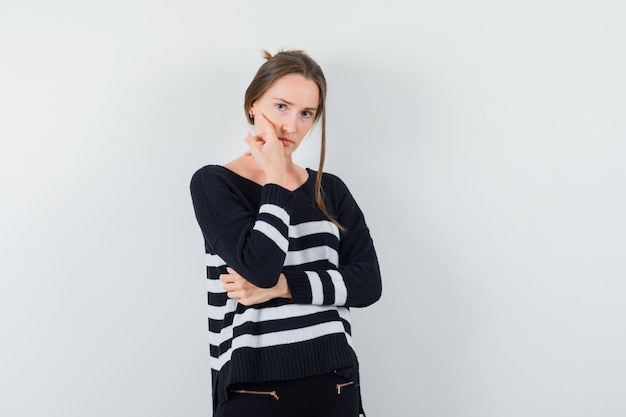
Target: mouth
285, 141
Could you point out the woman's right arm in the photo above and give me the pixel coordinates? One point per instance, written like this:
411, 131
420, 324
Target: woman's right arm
252, 242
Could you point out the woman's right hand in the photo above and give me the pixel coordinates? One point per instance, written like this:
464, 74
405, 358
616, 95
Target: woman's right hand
246, 293
267, 150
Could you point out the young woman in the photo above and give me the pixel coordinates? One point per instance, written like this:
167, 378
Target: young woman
288, 252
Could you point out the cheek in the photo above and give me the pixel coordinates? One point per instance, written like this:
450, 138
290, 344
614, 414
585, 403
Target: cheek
266, 108
305, 124
271, 114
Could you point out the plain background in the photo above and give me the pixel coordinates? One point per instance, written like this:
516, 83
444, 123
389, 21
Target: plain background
485, 142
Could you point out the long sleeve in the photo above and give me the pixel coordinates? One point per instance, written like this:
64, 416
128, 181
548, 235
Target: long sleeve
356, 281
261, 232
252, 239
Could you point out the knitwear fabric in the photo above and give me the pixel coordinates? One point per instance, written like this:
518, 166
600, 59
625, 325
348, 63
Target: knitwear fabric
262, 231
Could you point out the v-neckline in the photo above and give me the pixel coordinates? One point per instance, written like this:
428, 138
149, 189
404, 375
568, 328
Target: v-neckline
308, 178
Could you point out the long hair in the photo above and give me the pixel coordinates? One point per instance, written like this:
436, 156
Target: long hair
275, 67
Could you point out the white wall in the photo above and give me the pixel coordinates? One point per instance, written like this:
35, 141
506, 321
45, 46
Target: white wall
484, 140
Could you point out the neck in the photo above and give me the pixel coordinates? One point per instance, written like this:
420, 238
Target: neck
247, 168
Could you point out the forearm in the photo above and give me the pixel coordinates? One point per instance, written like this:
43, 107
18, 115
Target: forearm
246, 293
353, 286
254, 243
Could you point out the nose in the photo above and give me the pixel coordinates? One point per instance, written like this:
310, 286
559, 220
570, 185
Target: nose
290, 125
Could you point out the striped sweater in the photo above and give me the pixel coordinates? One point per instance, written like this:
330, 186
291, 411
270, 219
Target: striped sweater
262, 231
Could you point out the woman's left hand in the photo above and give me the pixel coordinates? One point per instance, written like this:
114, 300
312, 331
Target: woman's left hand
249, 294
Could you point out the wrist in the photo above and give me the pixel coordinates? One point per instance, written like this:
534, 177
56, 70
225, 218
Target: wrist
278, 179
282, 287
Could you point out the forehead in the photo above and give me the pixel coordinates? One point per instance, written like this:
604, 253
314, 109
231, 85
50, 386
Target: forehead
295, 89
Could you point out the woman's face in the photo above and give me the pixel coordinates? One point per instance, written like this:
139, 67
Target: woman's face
290, 105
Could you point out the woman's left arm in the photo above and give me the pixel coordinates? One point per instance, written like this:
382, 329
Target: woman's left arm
355, 282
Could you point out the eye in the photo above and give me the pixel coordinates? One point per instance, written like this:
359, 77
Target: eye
307, 114
281, 106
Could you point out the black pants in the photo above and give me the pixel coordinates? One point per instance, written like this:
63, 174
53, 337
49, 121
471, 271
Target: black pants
328, 395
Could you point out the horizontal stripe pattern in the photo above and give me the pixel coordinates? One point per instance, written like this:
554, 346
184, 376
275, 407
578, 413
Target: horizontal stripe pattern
272, 233
313, 228
275, 211
312, 255
279, 338
309, 243
263, 230
273, 222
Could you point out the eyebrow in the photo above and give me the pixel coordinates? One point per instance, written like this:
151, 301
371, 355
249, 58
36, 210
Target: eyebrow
291, 104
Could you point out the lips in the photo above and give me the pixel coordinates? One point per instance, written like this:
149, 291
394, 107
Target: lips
285, 141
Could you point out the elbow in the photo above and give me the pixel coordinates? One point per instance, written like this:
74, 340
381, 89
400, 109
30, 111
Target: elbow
376, 287
377, 293
371, 295
265, 283
261, 279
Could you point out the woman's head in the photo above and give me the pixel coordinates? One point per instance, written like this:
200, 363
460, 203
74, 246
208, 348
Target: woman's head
286, 63
276, 67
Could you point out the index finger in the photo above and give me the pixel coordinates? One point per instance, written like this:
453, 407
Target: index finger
264, 126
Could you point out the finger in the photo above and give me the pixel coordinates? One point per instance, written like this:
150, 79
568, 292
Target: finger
264, 127
254, 142
245, 139
260, 123
226, 278
267, 120
252, 139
